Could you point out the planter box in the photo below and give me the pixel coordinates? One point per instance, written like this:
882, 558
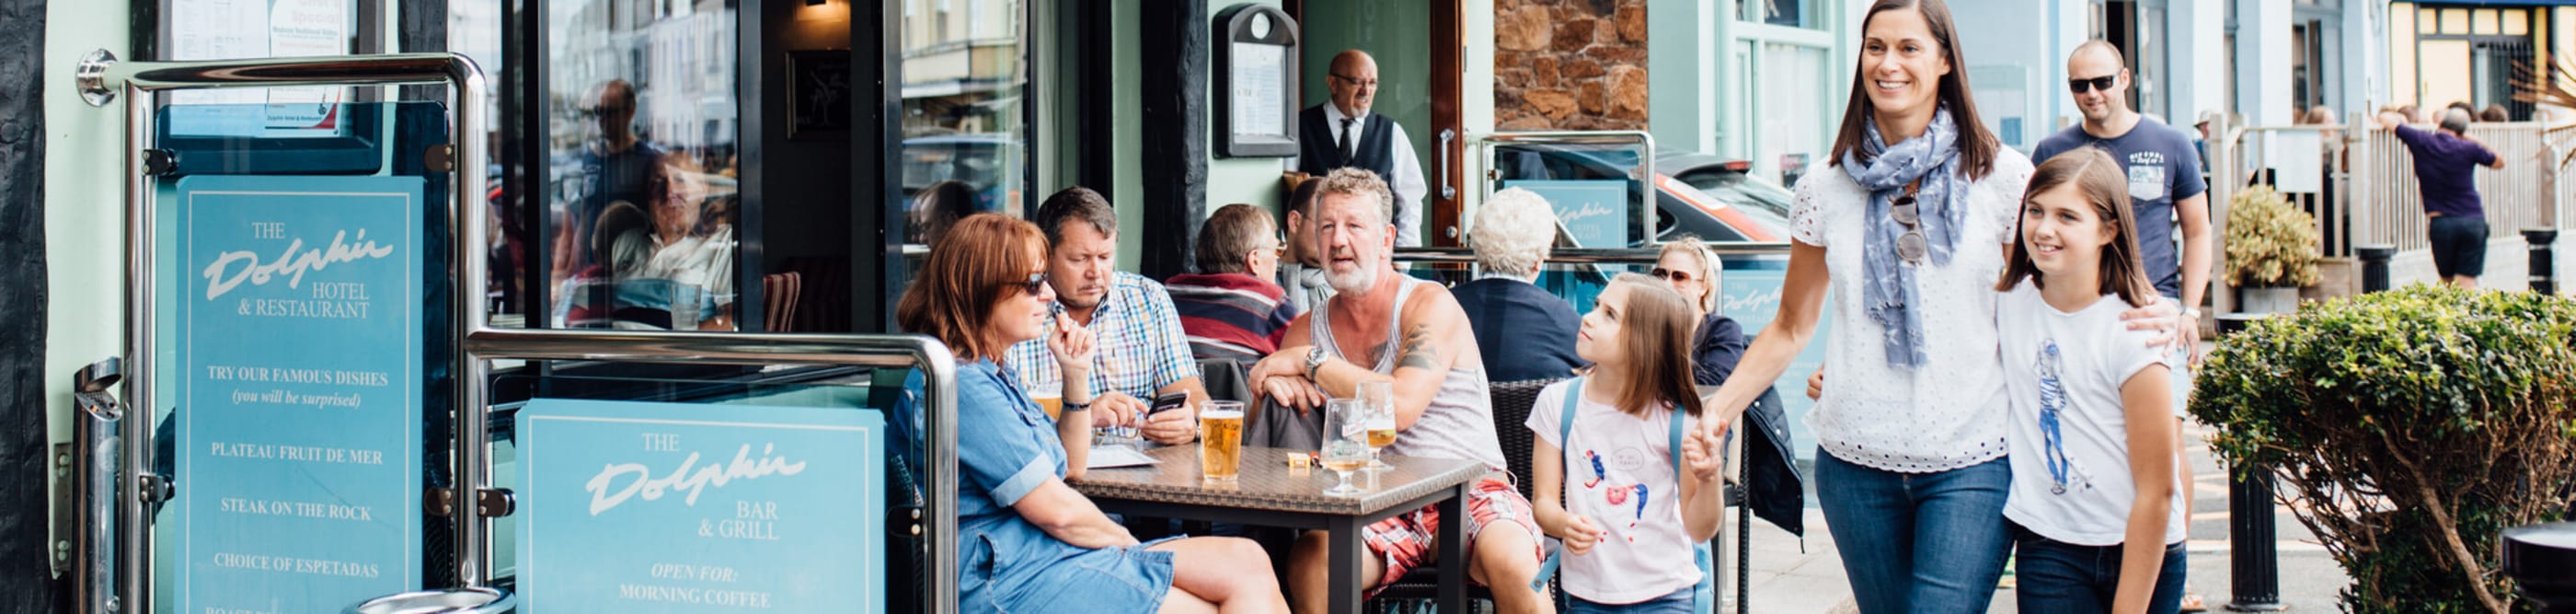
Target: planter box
2269, 299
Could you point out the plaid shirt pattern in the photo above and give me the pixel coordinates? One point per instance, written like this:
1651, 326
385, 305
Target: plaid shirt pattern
1138, 336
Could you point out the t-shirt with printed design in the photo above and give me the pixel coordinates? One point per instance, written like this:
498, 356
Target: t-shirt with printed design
2068, 427
1619, 473
2163, 168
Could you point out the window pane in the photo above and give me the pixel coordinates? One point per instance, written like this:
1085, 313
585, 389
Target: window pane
964, 132
641, 198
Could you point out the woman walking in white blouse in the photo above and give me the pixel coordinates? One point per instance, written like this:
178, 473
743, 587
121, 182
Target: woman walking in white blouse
1906, 223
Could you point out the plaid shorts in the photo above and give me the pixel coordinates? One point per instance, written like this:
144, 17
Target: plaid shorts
1406, 541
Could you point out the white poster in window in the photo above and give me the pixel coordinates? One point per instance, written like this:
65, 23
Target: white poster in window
215, 30
1260, 86
2297, 159
305, 28
240, 29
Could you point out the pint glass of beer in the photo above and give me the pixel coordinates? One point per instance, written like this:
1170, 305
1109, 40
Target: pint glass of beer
1050, 399
1221, 441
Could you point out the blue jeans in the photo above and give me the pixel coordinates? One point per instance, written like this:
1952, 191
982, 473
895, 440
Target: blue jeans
2055, 576
1932, 543
1676, 602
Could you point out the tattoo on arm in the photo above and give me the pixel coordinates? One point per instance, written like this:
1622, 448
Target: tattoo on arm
1420, 350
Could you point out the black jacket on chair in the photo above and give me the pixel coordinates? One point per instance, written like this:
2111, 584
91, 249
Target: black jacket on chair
1524, 332
1772, 485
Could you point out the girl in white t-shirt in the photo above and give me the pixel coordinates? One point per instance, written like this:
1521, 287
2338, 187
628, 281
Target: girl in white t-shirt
2098, 528
1628, 513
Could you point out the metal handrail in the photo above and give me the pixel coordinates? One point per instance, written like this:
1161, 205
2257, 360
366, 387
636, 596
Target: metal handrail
1619, 255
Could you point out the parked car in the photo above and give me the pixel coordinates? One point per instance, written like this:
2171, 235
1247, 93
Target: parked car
1696, 194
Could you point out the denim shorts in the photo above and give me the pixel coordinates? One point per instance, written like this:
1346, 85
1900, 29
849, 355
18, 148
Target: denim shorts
1676, 602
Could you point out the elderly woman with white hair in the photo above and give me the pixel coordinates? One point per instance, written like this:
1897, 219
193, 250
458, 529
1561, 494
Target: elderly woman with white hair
1524, 332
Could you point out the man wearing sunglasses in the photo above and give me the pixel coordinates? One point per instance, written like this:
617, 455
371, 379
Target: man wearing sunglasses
2165, 191
1344, 133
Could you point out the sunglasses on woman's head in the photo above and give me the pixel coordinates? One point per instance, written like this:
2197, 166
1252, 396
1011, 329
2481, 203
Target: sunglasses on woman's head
1669, 274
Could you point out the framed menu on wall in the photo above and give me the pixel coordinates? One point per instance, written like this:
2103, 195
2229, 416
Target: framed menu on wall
1256, 91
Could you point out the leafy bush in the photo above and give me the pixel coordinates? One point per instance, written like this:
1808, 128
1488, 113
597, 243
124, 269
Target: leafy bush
2416, 424
2270, 243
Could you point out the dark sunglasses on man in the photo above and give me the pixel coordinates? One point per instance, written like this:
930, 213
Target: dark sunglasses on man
2103, 83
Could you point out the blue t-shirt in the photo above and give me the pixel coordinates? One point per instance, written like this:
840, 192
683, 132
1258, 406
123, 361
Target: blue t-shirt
2163, 167
2446, 168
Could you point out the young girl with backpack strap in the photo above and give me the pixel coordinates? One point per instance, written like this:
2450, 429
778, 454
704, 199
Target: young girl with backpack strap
1626, 483
2093, 505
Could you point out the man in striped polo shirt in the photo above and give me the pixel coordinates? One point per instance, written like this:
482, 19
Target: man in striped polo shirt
1230, 309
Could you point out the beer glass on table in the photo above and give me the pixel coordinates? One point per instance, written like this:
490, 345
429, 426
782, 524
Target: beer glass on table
1345, 442
1050, 398
1378, 401
1221, 441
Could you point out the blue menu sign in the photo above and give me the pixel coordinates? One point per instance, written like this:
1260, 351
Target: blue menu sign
1595, 211
664, 507
298, 435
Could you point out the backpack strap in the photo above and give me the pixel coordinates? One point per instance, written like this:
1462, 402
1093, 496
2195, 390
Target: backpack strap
1564, 429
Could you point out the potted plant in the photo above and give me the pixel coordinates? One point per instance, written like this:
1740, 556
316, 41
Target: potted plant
2272, 250
2415, 426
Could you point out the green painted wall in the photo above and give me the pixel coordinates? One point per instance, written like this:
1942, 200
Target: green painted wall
1236, 180
84, 205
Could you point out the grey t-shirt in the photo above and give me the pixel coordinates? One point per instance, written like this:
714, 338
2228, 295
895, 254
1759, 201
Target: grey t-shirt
2163, 167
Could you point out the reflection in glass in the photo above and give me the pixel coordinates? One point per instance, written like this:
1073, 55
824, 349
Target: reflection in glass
964, 128
641, 194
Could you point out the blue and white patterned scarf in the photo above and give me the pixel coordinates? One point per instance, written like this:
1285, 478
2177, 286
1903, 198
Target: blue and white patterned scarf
1889, 292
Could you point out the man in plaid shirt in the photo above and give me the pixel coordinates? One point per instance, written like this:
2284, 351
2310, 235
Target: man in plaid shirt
1142, 351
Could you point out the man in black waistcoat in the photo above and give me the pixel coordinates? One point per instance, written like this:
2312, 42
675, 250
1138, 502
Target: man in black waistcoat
1344, 133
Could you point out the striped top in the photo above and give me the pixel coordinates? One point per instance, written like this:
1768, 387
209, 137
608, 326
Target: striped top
1230, 316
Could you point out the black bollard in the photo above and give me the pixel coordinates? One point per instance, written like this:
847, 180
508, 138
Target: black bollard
2253, 558
2374, 265
2544, 278
2541, 559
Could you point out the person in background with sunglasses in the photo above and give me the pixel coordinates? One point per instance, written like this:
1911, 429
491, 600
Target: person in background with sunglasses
1717, 342
2168, 194
1524, 332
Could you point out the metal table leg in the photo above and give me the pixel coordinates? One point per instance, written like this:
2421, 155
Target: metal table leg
1347, 550
1453, 550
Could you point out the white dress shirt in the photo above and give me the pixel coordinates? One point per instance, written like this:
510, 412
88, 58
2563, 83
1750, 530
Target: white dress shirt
1407, 182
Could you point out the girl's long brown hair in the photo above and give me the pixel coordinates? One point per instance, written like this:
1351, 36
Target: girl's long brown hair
1655, 330
982, 260
1977, 147
2100, 181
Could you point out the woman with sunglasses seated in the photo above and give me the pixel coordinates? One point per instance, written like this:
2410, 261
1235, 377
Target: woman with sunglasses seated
1028, 542
1718, 341
1524, 332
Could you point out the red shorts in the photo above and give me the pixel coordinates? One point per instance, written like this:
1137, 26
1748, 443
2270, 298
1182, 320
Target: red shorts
1406, 541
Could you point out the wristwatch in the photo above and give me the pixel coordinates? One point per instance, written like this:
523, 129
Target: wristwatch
1314, 360
2191, 313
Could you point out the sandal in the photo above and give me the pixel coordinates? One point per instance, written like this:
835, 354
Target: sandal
2191, 602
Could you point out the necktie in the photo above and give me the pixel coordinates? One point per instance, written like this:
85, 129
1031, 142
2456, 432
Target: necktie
1349, 149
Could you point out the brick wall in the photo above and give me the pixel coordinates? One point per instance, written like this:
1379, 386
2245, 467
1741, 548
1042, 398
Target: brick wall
1570, 64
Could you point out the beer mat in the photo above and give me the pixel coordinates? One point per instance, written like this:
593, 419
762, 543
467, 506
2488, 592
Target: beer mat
1107, 457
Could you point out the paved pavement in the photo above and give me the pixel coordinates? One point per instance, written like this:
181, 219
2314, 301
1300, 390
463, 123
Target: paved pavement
1793, 578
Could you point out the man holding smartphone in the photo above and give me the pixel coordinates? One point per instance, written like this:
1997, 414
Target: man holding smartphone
1143, 354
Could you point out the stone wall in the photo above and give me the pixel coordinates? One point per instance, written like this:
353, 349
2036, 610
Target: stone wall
1570, 64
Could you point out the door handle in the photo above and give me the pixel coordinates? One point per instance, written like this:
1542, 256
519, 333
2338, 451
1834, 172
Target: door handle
1448, 191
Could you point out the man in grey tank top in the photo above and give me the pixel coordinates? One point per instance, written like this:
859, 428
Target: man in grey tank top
1382, 326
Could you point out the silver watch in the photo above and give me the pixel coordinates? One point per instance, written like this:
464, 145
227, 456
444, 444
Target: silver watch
1315, 358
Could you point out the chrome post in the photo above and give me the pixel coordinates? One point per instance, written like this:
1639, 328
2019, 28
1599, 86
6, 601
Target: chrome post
95, 457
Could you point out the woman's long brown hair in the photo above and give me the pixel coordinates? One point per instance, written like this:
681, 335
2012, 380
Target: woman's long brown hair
980, 261
2100, 181
1977, 147
1655, 331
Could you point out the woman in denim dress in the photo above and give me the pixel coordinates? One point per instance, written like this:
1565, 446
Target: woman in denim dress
1027, 542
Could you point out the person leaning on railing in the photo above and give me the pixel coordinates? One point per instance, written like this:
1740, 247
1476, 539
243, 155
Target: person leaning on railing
2446, 164
1028, 542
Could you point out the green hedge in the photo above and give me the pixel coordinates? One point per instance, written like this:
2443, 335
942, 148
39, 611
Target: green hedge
2416, 424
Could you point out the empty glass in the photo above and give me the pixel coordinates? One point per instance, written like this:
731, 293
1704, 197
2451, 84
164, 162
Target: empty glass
1345, 442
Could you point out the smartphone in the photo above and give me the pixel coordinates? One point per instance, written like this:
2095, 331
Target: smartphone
1169, 402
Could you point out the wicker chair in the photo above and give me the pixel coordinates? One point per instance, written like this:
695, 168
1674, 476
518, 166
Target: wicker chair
1511, 408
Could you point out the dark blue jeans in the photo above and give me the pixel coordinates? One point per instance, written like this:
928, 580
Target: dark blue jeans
2055, 576
1932, 543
